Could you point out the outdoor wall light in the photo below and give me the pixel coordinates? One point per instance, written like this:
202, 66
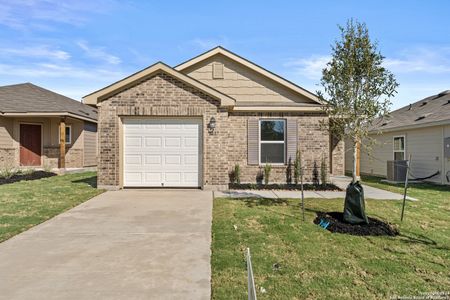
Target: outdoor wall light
212, 125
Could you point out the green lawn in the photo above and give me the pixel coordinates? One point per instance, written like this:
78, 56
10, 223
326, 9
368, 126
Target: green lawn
317, 264
27, 203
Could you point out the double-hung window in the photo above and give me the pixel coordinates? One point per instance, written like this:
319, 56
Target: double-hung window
68, 134
399, 148
272, 141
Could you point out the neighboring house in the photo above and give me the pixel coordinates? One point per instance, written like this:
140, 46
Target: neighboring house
31, 119
421, 129
189, 125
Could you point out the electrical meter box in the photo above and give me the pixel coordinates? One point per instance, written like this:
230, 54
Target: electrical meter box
447, 147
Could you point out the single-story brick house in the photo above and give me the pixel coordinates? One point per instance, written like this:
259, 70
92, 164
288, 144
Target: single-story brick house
187, 126
420, 129
31, 120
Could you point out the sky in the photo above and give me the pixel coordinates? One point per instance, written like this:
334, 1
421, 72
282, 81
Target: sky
75, 47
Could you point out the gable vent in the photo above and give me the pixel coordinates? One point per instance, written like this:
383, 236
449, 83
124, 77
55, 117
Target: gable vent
217, 71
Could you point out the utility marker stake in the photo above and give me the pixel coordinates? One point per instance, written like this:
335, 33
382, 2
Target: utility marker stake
408, 164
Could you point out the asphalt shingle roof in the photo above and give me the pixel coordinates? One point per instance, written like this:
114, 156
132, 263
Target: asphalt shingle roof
29, 98
432, 109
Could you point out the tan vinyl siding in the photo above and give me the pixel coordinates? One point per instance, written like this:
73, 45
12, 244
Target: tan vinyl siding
90, 144
242, 83
253, 141
424, 144
6, 131
446, 162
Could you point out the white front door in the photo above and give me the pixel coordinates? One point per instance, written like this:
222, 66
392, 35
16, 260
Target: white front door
161, 152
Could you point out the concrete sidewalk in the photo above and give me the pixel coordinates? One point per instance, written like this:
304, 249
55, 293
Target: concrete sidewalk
341, 182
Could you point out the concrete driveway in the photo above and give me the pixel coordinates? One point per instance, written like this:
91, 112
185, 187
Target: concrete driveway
133, 244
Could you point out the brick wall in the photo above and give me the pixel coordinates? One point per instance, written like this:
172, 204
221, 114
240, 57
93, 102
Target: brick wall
7, 158
163, 95
74, 157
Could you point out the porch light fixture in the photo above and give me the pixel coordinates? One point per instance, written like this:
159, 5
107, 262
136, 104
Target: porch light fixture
212, 125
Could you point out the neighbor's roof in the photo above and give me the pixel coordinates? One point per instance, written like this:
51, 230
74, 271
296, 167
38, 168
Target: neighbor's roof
125, 83
431, 111
251, 65
29, 99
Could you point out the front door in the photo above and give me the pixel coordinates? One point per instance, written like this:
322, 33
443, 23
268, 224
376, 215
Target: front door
30, 145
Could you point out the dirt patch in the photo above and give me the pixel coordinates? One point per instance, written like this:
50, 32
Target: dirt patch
337, 224
29, 176
293, 187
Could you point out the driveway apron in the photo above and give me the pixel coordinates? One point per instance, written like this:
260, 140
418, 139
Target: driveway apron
131, 244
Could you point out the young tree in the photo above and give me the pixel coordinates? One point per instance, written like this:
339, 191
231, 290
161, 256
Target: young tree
357, 88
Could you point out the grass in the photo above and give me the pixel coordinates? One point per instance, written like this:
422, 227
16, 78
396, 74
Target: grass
317, 264
27, 203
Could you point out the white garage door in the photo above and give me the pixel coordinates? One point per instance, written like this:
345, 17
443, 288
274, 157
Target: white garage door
161, 152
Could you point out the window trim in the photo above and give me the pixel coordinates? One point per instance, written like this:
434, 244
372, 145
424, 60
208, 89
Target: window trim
272, 142
68, 142
404, 146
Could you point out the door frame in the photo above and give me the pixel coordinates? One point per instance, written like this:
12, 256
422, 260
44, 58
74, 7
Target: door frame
201, 137
42, 141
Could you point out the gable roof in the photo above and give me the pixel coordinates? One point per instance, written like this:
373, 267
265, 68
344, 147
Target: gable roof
280, 80
430, 111
30, 99
96, 97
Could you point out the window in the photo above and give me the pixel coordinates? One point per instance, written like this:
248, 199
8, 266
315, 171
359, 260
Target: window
272, 141
68, 135
399, 147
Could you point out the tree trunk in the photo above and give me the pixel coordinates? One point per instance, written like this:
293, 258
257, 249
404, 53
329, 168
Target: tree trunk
356, 163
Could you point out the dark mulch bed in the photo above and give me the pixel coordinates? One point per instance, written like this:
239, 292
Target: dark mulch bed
29, 176
337, 224
274, 186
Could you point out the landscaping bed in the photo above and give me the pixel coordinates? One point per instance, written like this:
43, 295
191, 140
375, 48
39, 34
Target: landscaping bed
334, 222
275, 186
21, 176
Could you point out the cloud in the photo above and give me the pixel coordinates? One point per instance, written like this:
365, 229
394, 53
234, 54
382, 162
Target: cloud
310, 67
421, 60
42, 51
48, 70
30, 14
98, 53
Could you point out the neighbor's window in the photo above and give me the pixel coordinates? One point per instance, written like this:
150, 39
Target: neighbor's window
68, 134
399, 148
272, 141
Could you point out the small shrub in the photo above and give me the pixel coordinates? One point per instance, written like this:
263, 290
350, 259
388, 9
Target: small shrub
298, 166
7, 172
289, 171
267, 169
237, 173
259, 176
315, 174
27, 171
47, 167
323, 171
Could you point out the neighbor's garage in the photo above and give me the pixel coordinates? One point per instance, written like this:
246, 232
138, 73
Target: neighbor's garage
160, 152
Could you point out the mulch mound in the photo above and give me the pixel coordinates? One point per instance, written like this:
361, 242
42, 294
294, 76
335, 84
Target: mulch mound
31, 176
337, 224
282, 186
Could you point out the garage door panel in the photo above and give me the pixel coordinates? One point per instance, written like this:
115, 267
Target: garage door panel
172, 142
153, 142
165, 152
133, 141
153, 159
133, 159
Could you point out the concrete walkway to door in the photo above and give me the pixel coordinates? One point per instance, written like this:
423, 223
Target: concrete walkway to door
132, 244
